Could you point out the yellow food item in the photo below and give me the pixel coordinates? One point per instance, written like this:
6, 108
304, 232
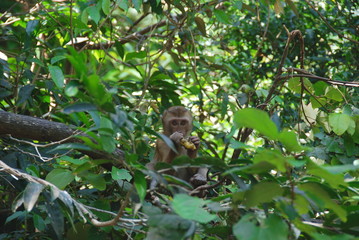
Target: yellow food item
187, 144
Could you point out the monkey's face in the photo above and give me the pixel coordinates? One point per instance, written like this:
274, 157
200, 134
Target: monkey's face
180, 125
177, 119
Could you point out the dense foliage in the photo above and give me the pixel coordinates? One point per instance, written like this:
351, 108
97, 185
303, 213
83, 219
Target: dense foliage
273, 86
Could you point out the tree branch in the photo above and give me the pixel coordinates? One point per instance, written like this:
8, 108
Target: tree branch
26, 127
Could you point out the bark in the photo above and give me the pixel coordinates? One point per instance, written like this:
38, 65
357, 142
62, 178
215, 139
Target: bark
26, 127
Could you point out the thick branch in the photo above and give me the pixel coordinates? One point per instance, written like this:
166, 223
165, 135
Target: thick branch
21, 126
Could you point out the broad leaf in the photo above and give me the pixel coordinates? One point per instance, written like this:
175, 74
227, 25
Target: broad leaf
322, 199
261, 193
60, 177
31, 194
341, 122
258, 120
191, 208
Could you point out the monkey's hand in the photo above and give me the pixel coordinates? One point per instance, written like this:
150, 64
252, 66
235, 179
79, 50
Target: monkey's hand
198, 180
195, 140
176, 137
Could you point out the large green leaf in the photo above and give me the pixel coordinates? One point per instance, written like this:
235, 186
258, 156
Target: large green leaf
261, 193
258, 120
322, 199
273, 227
290, 142
60, 177
274, 157
341, 123
191, 208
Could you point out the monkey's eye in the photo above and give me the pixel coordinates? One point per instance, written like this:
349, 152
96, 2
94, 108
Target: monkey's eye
174, 123
183, 122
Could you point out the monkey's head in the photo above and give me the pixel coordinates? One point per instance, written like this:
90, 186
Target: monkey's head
177, 119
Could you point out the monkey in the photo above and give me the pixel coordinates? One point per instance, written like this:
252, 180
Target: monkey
177, 125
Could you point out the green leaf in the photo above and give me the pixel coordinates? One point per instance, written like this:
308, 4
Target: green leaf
177, 181
340, 169
94, 13
258, 120
31, 26
85, 16
137, 4
140, 184
191, 208
123, 4
79, 107
132, 55
261, 193
108, 143
57, 76
239, 145
222, 16
60, 177
25, 93
106, 6
57, 58
273, 157
96, 180
341, 122
120, 174
168, 226
56, 217
290, 142
38, 222
334, 94
120, 49
31, 194
274, 228
246, 228
322, 199
333, 179
96, 89
295, 85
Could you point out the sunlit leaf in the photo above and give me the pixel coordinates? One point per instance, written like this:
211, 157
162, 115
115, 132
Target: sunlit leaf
341, 122
106, 6
31, 194
258, 120
290, 142
57, 76
94, 14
